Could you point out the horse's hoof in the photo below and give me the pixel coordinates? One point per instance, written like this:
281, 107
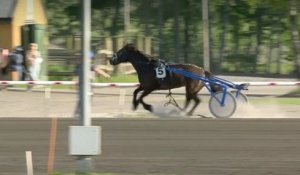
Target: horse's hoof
148, 107
189, 113
134, 107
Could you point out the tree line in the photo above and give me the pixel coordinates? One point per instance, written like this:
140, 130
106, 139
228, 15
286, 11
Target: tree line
246, 36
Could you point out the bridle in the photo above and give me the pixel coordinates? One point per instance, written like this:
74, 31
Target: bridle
114, 57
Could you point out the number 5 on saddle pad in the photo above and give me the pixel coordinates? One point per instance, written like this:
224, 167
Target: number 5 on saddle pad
160, 72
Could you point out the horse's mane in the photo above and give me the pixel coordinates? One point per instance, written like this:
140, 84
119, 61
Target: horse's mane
150, 58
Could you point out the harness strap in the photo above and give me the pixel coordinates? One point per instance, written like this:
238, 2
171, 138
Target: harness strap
172, 100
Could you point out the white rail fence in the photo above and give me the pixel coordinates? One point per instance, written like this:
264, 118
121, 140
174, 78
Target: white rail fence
73, 83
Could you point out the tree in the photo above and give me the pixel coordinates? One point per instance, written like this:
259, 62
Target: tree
295, 34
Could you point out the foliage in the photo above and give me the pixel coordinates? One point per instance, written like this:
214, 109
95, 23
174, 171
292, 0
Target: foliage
254, 29
294, 93
278, 101
60, 73
118, 79
66, 73
58, 173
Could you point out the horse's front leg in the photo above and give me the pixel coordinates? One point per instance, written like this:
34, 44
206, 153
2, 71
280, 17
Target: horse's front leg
144, 94
135, 102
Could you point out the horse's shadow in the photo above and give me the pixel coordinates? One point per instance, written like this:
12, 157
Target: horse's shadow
172, 112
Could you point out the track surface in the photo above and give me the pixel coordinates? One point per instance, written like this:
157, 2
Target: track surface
161, 146
142, 143
116, 103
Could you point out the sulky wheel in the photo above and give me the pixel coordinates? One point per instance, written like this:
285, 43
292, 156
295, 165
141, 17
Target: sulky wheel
216, 107
240, 97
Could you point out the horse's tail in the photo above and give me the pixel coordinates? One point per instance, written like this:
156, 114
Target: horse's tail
208, 74
214, 88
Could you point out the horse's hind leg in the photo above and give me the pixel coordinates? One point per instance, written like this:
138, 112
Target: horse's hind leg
187, 101
197, 101
135, 102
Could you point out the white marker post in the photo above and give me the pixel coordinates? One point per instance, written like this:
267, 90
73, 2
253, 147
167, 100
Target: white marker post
47, 97
122, 99
206, 49
84, 140
84, 161
29, 163
48, 92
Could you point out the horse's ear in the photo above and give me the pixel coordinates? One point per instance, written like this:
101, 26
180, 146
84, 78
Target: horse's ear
131, 47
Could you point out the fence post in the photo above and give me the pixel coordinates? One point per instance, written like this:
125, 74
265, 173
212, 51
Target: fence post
69, 43
147, 46
108, 44
140, 43
29, 162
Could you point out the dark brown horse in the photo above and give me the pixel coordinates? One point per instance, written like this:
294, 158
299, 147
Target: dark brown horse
145, 66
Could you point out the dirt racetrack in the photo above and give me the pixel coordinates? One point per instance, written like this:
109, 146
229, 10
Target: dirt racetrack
264, 139
116, 103
161, 146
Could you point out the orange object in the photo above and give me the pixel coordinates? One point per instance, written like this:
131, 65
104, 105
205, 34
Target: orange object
52, 145
14, 76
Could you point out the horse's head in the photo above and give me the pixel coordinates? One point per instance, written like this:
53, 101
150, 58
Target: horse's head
122, 55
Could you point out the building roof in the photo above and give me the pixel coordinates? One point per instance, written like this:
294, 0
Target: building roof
7, 8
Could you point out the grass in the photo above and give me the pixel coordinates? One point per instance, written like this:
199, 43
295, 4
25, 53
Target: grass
65, 70
256, 100
279, 101
58, 173
289, 101
295, 93
118, 79
70, 70
113, 79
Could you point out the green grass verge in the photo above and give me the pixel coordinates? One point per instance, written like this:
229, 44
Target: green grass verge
295, 93
58, 173
118, 79
279, 101
70, 69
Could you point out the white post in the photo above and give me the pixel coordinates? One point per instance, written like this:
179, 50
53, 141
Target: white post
126, 18
85, 76
29, 163
206, 56
122, 98
84, 162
